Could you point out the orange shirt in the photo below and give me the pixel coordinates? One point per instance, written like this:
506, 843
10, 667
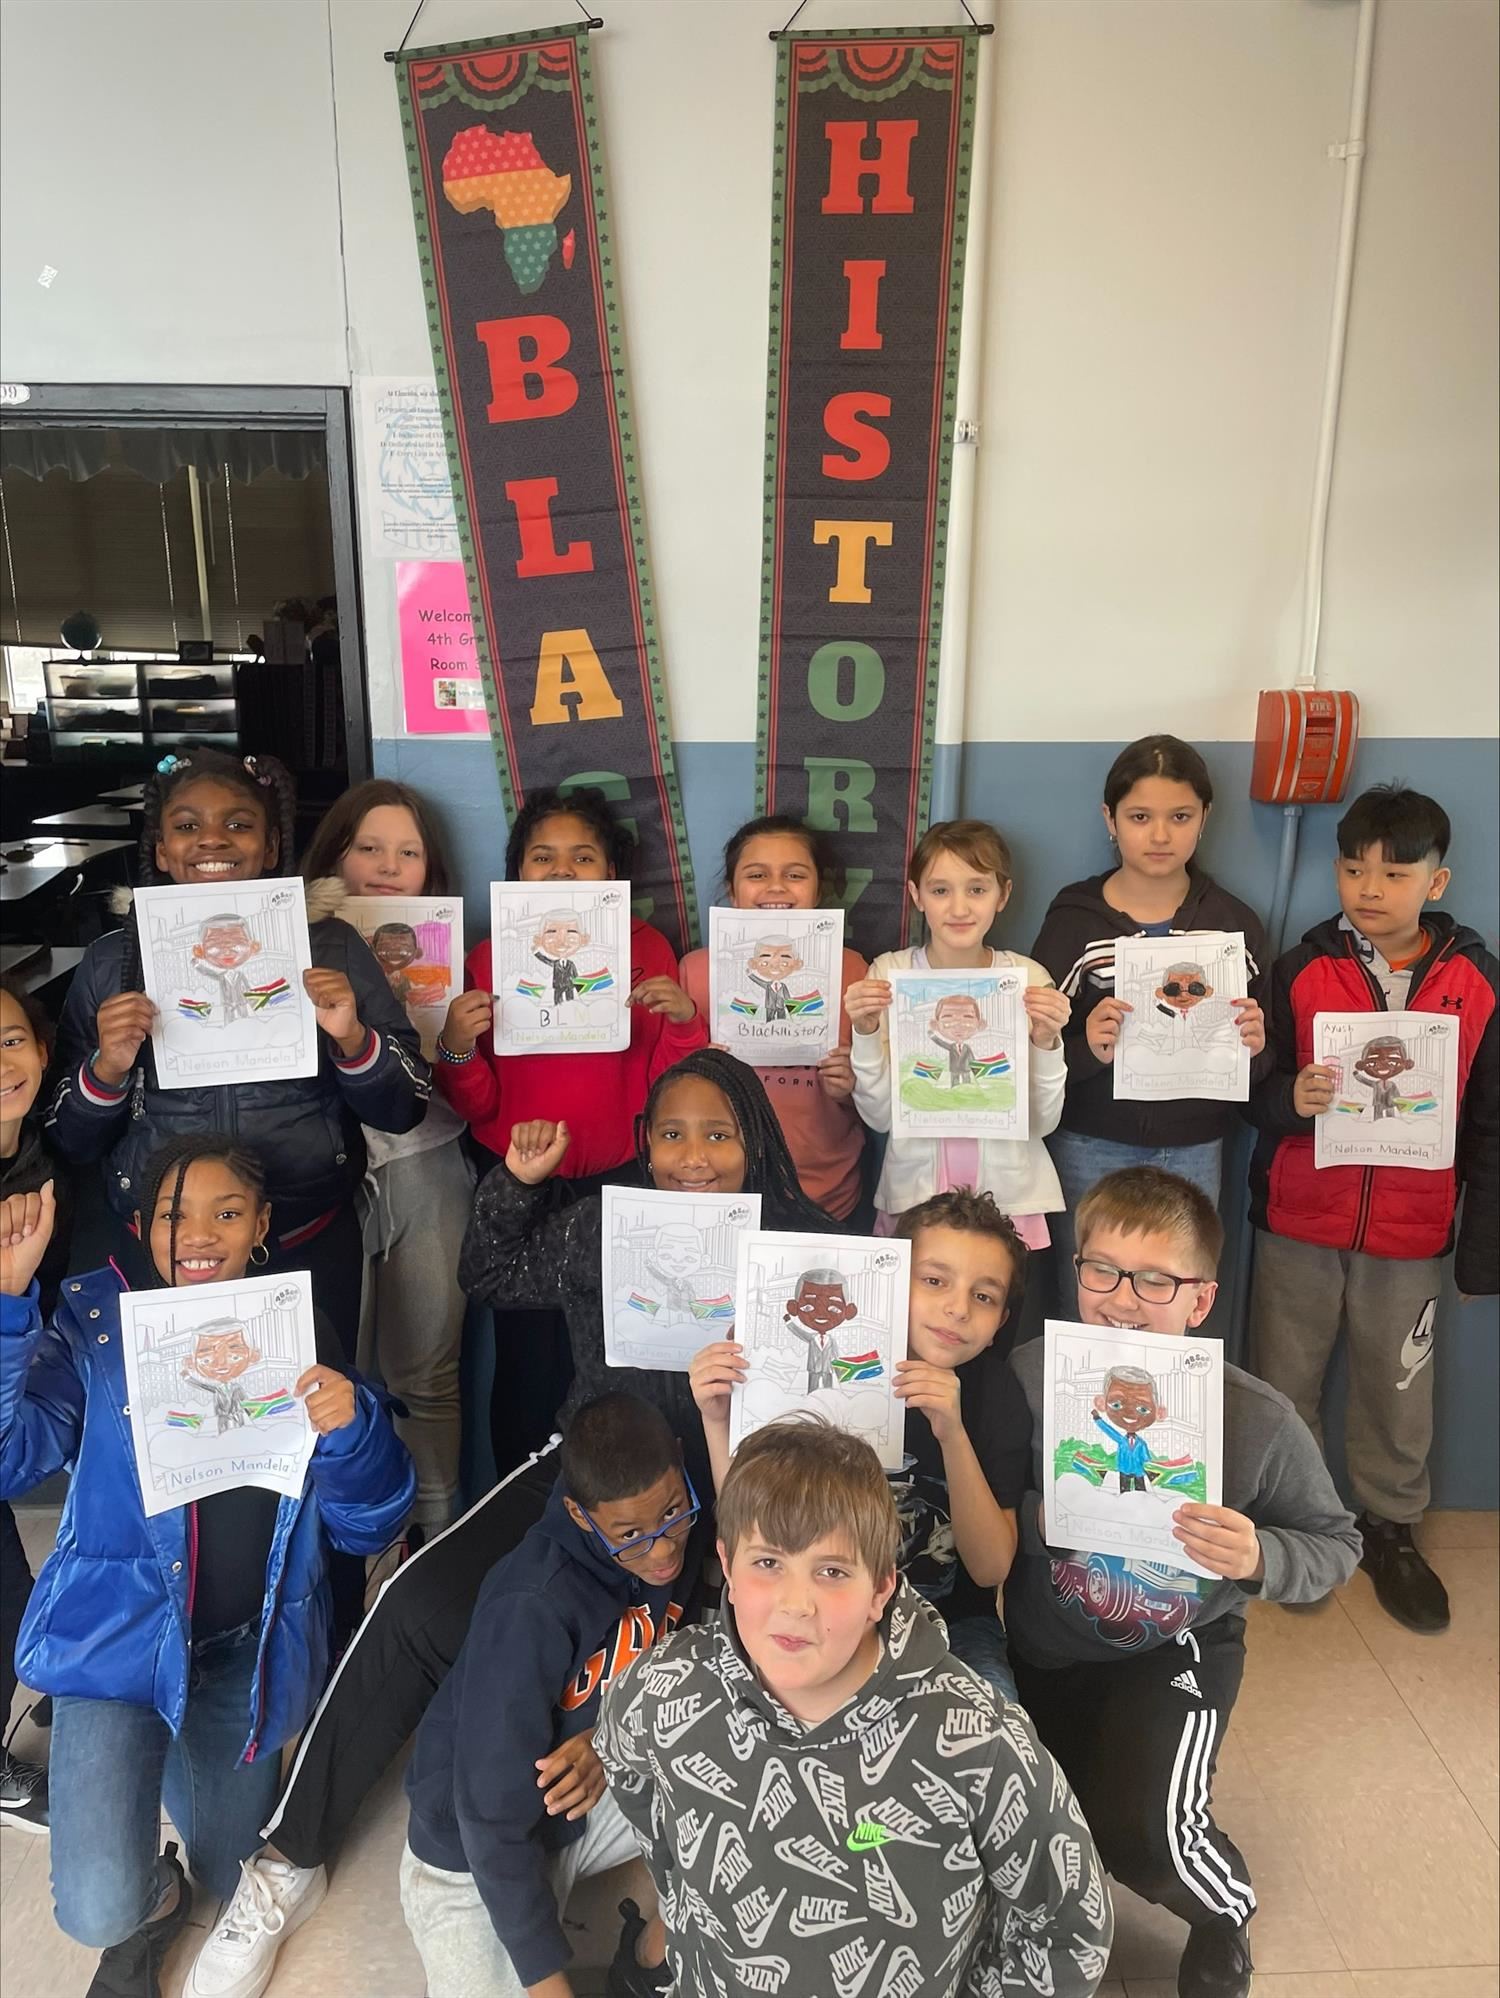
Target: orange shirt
825, 1137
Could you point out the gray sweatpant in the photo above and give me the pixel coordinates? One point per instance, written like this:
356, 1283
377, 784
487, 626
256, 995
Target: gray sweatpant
1303, 1292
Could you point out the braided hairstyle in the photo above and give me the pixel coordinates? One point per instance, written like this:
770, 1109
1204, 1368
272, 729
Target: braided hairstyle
265, 779
171, 1161
769, 1170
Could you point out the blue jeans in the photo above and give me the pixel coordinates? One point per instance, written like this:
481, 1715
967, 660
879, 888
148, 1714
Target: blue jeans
113, 1766
1083, 1161
979, 1643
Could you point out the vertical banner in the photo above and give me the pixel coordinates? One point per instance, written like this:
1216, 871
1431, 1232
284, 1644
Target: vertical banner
523, 307
874, 132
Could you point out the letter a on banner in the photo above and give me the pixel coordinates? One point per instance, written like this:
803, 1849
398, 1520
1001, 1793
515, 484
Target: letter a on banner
874, 130
523, 308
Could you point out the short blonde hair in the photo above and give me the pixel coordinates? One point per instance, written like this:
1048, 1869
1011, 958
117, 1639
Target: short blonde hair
801, 1480
1144, 1200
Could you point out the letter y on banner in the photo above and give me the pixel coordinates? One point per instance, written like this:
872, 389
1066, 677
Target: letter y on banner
874, 132
523, 308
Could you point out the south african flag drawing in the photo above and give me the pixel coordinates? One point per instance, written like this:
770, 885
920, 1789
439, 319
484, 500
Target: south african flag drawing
528, 988
648, 1306
280, 1402
810, 1002
195, 1009
260, 997
180, 1418
859, 1367
590, 982
1417, 1106
713, 1307
929, 1071
986, 1066
746, 1006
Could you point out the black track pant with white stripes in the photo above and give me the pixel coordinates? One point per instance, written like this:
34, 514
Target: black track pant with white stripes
1138, 1735
395, 1662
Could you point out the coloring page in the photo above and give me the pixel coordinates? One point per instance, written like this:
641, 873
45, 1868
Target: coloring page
775, 982
960, 1055
211, 1371
668, 1274
1395, 1091
561, 958
1133, 1427
822, 1319
1180, 1037
418, 942
223, 967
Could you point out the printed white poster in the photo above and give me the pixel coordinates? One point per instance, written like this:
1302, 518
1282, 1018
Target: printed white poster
1395, 1090
403, 465
668, 1276
1181, 1037
960, 1055
775, 983
822, 1319
223, 966
211, 1371
418, 942
561, 964
1133, 1428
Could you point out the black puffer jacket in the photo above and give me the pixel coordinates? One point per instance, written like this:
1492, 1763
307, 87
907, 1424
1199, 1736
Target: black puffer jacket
306, 1130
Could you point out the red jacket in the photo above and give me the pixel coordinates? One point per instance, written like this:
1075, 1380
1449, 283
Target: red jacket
597, 1096
1390, 1211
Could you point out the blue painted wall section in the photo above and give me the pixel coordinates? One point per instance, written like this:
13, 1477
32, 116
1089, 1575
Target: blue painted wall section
1045, 798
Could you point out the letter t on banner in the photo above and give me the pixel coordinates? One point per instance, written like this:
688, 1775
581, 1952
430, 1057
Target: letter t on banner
874, 132
523, 309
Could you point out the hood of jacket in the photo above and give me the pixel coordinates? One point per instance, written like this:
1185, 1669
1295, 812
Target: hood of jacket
1331, 936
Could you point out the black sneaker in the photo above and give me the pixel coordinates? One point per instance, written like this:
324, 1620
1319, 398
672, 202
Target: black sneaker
23, 1794
627, 1977
1405, 1587
1216, 1961
132, 1969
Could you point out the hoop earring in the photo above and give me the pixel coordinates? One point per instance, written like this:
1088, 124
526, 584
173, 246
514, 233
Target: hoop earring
260, 1255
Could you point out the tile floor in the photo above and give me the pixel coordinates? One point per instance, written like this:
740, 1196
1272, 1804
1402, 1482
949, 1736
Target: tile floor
1360, 1777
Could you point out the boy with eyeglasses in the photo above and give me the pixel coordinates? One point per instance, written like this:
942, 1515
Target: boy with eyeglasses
1129, 1669
508, 1805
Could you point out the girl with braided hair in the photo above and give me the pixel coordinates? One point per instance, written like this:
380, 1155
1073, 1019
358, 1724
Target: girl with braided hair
180, 1651
212, 817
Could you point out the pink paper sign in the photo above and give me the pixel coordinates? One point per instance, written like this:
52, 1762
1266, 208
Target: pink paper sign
443, 691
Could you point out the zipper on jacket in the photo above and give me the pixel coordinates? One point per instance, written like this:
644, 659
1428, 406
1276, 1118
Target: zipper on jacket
267, 1625
192, 1565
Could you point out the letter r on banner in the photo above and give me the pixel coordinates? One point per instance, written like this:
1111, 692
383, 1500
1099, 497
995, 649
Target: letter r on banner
522, 351
848, 165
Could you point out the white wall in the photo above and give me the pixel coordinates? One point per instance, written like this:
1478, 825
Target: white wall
1162, 218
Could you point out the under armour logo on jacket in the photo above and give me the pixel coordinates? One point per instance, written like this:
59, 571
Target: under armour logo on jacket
1452, 1002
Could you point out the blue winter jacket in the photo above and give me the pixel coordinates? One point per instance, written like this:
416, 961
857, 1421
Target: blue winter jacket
109, 1615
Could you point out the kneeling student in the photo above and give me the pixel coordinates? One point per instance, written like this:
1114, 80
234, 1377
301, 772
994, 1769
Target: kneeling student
1131, 1670
827, 1798
507, 1797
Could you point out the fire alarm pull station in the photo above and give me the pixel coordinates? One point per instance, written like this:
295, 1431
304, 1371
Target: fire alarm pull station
1304, 746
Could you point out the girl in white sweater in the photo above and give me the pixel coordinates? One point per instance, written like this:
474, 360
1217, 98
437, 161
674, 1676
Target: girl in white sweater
959, 880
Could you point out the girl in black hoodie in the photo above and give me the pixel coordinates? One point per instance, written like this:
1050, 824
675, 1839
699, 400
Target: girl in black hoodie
1157, 798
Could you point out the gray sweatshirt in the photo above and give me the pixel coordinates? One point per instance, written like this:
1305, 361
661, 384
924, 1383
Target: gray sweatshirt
920, 1843
1061, 1608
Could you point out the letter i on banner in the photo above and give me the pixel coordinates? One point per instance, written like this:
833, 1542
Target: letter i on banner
524, 312
874, 132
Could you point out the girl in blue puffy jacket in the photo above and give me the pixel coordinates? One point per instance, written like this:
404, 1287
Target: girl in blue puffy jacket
181, 1650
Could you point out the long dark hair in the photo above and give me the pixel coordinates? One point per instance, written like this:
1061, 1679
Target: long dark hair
820, 849
171, 1161
341, 822
588, 804
769, 1170
1158, 756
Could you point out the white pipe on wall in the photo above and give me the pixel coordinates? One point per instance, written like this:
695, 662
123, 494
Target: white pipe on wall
1352, 152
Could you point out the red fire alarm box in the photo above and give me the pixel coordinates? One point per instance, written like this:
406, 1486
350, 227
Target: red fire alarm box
1304, 746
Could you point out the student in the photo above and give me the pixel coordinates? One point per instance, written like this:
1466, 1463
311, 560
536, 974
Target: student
820, 1786
213, 817
28, 1162
780, 863
599, 1096
180, 1651
508, 1807
380, 839
1129, 1669
1157, 798
706, 1120
1358, 1245
959, 881
968, 1430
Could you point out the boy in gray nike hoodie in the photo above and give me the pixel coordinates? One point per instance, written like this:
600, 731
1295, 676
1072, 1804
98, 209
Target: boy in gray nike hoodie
831, 1805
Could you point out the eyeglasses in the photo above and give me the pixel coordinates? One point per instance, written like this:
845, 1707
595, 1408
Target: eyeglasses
1172, 990
1150, 1286
644, 1542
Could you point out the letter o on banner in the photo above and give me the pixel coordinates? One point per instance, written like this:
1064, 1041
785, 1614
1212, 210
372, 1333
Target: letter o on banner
825, 675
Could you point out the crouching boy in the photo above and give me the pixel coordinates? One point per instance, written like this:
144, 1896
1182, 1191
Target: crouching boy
828, 1800
1129, 1669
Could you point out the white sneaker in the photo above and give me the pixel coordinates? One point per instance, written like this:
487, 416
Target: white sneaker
272, 1901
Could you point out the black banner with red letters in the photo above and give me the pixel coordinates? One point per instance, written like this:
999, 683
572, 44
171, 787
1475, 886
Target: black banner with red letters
523, 304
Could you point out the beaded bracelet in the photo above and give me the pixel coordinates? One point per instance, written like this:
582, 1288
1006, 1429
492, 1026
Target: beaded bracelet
456, 1060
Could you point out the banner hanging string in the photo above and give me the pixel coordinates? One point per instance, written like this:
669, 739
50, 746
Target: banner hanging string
590, 21
775, 35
